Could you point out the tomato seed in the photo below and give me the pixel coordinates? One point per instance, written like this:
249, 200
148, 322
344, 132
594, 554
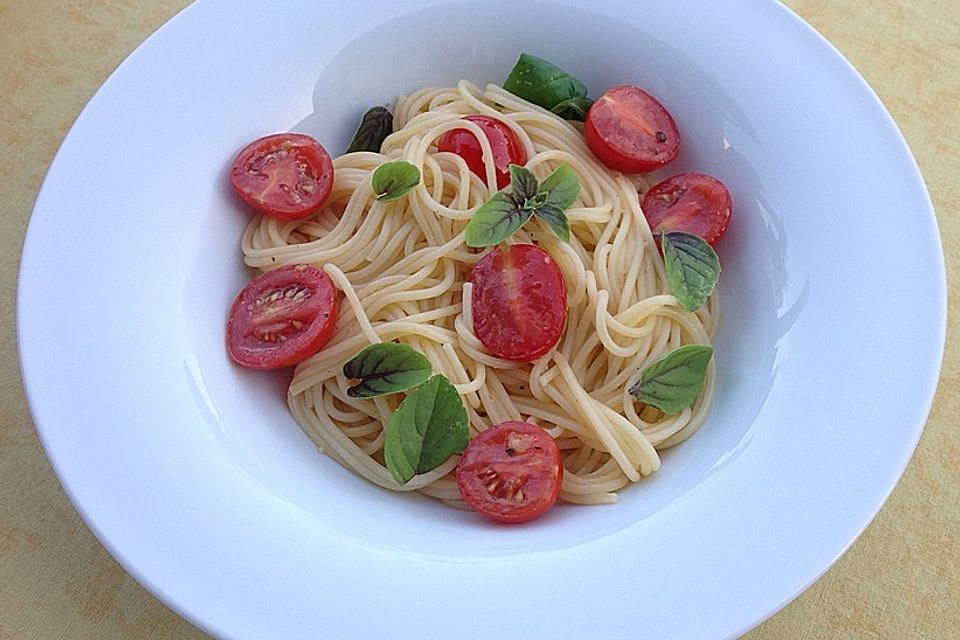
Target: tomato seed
487, 475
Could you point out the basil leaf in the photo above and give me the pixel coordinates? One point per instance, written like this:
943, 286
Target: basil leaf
562, 187
428, 427
386, 367
693, 268
495, 220
556, 219
375, 126
674, 381
573, 108
504, 213
393, 180
543, 83
523, 183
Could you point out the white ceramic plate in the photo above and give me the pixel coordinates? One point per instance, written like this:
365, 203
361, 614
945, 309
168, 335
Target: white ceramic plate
193, 475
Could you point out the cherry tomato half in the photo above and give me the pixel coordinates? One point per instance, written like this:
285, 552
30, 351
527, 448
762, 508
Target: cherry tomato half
282, 317
511, 472
503, 141
628, 130
691, 202
286, 175
519, 301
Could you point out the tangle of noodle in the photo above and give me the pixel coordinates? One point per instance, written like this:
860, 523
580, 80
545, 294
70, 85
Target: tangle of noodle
403, 267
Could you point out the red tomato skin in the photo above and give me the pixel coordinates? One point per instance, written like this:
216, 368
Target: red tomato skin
506, 148
628, 130
282, 317
691, 202
512, 472
519, 302
287, 176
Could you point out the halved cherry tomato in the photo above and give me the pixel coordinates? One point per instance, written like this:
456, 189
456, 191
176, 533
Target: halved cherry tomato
282, 317
511, 472
519, 301
628, 130
691, 202
285, 175
506, 148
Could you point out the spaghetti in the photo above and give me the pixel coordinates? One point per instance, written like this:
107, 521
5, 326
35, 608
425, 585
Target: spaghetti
403, 269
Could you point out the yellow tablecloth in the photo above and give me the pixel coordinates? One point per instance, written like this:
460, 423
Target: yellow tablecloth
901, 579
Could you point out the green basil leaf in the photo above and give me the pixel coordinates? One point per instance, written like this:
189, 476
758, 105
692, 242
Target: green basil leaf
674, 381
375, 126
523, 183
693, 268
393, 180
386, 367
556, 219
562, 187
573, 108
495, 220
543, 83
428, 427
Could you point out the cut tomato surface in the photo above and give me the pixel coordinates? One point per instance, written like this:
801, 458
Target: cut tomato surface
691, 202
286, 175
627, 129
519, 301
282, 317
511, 472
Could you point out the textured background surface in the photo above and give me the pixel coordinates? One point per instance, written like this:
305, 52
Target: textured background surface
901, 579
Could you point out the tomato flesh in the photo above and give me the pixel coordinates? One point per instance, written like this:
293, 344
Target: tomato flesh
691, 202
627, 129
506, 148
519, 302
286, 175
511, 472
282, 317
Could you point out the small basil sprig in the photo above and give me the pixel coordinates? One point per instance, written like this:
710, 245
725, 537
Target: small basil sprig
375, 126
544, 84
504, 213
429, 426
393, 180
674, 381
693, 268
386, 367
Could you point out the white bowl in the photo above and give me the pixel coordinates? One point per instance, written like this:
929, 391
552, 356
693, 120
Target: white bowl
196, 478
